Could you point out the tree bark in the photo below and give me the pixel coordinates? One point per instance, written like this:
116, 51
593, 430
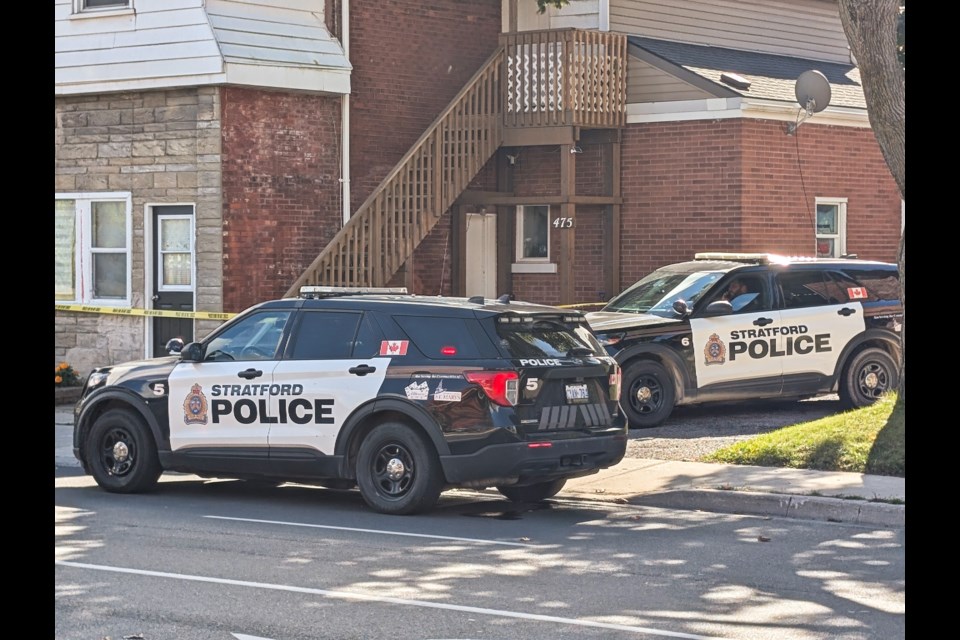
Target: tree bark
871, 30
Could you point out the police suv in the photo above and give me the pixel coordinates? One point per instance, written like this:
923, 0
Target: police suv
400, 395
743, 326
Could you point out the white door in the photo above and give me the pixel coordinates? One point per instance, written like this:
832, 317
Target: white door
481, 255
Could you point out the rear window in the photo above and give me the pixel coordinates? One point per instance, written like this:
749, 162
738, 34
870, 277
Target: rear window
441, 337
546, 338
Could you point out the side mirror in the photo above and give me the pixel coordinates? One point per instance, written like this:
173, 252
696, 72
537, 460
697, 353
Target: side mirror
680, 306
193, 352
718, 308
174, 346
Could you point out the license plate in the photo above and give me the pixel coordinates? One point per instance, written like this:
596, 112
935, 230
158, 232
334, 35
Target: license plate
577, 393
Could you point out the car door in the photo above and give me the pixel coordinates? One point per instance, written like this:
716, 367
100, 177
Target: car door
331, 366
224, 400
735, 354
820, 320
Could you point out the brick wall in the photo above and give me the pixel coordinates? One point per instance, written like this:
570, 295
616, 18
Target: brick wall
281, 189
162, 147
410, 58
735, 185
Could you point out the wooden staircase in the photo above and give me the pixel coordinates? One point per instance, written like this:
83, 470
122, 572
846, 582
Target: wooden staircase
409, 202
534, 82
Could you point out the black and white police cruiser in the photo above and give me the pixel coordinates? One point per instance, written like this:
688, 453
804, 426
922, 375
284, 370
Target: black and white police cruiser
738, 326
400, 395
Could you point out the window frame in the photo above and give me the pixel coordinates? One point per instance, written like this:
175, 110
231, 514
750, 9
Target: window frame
83, 252
840, 237
191, 250
518, 256
120, 7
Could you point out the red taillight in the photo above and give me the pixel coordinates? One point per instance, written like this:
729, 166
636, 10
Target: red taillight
615, 379
540, 445
500, 386
448, 351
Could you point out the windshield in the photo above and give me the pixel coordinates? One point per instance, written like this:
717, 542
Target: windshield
657, 292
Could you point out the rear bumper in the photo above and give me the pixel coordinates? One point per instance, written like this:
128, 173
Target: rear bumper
518, 463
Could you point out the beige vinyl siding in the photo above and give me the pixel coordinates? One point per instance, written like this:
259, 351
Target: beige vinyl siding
800, 28
580, 14
646, 83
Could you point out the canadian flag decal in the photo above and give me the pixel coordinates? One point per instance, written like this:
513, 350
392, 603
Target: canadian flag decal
856, 293
393, 347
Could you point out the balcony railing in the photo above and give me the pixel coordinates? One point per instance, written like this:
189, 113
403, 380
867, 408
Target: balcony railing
564, 77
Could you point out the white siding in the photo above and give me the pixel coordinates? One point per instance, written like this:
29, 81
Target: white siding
646, 83
800, 28
581, 14
174, 43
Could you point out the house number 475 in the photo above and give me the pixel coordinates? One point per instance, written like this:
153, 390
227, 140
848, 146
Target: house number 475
563, 223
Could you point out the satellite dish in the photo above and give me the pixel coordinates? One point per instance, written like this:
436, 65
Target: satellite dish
813, 91
813, 94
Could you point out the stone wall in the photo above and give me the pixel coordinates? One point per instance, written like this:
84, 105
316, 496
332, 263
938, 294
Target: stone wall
162, 147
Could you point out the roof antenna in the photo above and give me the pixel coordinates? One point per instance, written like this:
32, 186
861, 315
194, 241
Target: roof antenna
504, 299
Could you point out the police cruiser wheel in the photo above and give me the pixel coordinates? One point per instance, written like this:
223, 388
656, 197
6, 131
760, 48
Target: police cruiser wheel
649, 394
870, 374
121, 454
398, 471
533, 492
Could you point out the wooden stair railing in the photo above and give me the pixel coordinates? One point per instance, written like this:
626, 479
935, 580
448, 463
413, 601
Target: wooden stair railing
408, 203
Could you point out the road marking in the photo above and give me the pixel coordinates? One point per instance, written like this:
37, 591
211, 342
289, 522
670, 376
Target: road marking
243, 636
386, 533
345, 595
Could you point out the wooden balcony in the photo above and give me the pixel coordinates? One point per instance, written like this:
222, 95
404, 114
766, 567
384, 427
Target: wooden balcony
562, 79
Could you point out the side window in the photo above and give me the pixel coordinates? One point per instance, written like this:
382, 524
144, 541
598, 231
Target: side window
255, 337
324, 335
802, 289
746, 293
533, 233
440, 337
872, 284
369, 337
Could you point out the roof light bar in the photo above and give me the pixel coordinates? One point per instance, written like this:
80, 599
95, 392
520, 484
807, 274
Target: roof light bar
328, 292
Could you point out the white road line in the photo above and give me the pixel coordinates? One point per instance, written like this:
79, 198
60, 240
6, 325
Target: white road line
386, 533
345, 595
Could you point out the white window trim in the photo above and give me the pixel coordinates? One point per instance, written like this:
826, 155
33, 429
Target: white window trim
518, 249
840, 238
81, 11
83, 263
533, 267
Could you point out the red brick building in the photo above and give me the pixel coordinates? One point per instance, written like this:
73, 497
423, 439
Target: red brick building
473, 147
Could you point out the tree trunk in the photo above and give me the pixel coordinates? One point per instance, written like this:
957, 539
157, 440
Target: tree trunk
871, 30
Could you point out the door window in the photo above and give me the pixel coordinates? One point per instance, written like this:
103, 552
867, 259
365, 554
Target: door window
255, 337
324, 335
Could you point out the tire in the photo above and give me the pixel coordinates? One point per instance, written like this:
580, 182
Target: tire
649, 395
869, 374
398, 471
121, 454
533, 492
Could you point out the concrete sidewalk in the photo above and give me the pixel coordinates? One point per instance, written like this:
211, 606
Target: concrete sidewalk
769, 491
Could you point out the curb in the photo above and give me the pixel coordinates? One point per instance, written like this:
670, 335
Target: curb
778, 505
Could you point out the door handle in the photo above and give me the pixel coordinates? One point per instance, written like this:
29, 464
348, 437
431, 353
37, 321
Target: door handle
762, 322
362, 370
846, 311
250, 374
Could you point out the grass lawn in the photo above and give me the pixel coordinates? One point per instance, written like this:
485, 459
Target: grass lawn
867, 440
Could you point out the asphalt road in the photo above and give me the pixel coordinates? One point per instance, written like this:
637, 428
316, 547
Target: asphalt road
215, 560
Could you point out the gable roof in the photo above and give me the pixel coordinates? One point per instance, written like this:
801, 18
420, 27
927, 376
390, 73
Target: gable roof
772, 77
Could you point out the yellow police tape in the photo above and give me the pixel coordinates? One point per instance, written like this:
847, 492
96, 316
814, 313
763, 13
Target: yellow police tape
152, 313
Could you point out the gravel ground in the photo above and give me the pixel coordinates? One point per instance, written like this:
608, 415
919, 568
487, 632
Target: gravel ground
695, 431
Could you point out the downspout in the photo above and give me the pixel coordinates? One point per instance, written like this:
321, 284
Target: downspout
345, 116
